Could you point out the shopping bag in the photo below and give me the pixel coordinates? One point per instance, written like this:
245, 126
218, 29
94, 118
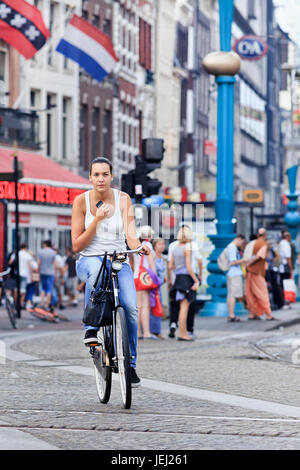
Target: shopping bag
289, 290
98, 311
146, 278
157, 309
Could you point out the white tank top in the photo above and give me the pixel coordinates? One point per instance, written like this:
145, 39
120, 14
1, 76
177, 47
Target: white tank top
110, 235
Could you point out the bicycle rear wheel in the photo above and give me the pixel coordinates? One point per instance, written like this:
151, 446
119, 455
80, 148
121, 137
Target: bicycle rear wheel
123, 357
102, 369
11, 312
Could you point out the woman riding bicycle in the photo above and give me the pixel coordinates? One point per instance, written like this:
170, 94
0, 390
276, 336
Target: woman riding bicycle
106, 228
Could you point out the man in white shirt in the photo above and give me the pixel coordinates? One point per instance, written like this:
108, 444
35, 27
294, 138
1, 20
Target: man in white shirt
285, 253
25, 270
234, 276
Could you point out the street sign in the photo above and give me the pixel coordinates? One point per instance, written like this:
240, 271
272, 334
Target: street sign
254, 196
210, 147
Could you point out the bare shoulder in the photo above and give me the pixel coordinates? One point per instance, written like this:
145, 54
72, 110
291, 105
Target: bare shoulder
125, 200
79, 202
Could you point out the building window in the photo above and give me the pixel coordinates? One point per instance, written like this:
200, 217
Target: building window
82, 142
96, 21
65, 126
2, 78
145, 44
106, 130
252, 115
182, 45
51, 28
49, 124
94, 132
107, 27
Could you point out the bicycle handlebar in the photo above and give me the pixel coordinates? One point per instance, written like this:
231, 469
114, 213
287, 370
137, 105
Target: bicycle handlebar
110, 253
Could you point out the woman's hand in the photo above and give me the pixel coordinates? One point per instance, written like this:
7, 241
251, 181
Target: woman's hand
103, 211
195, 285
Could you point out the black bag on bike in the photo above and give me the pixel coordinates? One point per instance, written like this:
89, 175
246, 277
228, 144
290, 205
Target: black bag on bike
98, 311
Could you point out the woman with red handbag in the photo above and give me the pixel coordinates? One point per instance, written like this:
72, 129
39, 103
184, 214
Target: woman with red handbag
142, 267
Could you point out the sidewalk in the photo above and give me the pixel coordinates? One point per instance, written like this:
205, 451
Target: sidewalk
286, 318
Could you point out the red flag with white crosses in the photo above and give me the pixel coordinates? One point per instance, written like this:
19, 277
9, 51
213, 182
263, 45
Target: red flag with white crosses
22, 26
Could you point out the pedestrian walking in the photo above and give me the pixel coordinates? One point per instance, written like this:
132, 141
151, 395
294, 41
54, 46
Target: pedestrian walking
145, 234
46, 263
159, 247
32, 284
173, 304
11, 279
186, 282
286, 260
273, 278
59, 281
72, 280
25, 270
234, 276
257, 295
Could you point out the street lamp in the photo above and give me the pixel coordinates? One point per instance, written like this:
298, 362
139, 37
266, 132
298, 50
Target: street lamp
224, 65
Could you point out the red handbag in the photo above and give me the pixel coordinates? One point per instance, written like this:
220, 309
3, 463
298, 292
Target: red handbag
157, 311
144, 280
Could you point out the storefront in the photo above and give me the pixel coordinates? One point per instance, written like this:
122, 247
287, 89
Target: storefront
46, 193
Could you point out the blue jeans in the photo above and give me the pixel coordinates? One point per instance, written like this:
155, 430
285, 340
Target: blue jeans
47, 283
87, 268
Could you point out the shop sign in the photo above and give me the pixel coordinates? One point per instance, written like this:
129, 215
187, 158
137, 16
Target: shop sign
24, 218
250, 47
39, 193
210, 147
64, 220
254, 196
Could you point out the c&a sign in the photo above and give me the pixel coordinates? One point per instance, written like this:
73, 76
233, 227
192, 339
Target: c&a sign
251, 47
39, 193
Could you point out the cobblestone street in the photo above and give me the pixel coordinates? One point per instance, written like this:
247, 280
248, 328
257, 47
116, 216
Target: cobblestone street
219, 392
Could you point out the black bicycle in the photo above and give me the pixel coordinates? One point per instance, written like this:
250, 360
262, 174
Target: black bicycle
112, 354
8, 300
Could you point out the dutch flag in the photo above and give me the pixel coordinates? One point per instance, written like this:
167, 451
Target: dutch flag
89, 47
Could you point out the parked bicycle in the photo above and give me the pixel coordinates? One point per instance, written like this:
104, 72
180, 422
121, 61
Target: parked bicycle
8, 300
112, 354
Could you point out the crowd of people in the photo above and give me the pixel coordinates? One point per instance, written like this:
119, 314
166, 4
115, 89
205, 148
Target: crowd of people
181, 272
257, 273
48, 275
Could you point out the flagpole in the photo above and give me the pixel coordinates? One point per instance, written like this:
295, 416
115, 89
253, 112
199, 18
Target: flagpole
41, 57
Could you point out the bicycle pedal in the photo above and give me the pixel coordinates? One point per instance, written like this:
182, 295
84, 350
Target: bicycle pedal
92, 344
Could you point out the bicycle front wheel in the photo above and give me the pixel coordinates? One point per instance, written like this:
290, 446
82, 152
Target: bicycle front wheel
123, 357
102, 367
11, 312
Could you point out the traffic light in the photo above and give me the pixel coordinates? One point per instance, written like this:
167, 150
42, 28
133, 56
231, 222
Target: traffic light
128, 183
152, 156
136, 183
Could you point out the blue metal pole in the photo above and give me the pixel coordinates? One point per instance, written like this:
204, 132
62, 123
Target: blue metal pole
292, 217
224, 205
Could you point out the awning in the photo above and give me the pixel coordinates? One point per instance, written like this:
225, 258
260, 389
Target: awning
42, 170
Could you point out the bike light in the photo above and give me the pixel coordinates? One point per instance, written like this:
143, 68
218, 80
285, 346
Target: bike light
116, 265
